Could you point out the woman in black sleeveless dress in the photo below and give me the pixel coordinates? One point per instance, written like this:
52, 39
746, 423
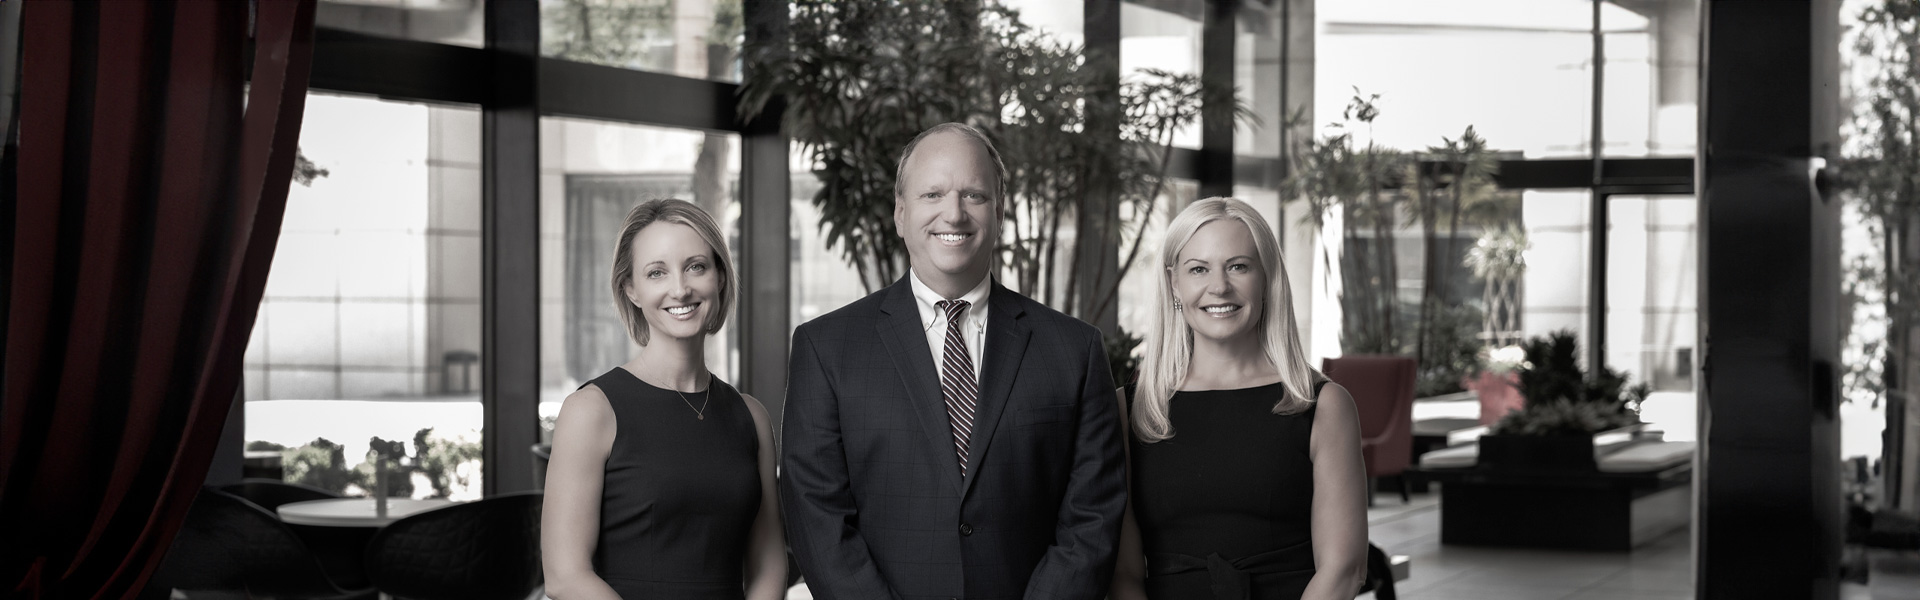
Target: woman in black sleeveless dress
1245, 473
660, 484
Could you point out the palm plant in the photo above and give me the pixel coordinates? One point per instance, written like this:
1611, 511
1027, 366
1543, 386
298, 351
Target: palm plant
860, 79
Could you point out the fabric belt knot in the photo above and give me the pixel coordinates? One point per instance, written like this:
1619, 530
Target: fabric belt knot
1233, 579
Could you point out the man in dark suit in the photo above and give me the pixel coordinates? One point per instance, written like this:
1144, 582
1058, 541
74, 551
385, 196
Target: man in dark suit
946, 437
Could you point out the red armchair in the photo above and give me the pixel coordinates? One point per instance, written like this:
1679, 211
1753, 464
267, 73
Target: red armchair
1382, 389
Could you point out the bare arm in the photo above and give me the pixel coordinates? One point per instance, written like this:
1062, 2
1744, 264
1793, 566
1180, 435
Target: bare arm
1130, 568
570, 518
1339, 518
766, 566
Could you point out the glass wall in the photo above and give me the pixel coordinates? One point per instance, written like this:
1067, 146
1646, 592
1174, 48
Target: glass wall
1652, 292
1554, 290
370, 329
591, 174
457, 22
690, 38
1652, 77
1163, 35
1517, 71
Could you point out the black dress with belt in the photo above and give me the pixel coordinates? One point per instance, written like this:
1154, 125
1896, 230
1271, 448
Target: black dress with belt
680, 492
1224, 506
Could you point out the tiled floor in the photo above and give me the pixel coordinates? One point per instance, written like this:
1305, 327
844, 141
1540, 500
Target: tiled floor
1660, 570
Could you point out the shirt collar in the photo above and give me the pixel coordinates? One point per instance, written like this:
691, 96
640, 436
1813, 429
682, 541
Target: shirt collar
929, 300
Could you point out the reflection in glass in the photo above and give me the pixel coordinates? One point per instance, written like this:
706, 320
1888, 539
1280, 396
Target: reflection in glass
457, 22
1652, 293
370, 327
1164, 37
1651, 81
592, 173
690, 38
1554, 288
1518, 71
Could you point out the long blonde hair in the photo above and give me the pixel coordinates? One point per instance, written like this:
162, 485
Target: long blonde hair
1170, 344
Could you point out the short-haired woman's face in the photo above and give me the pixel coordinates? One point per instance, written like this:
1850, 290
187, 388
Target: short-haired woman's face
676, 283
1218, 280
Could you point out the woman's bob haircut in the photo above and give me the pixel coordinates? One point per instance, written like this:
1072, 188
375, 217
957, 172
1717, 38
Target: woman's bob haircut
670, 211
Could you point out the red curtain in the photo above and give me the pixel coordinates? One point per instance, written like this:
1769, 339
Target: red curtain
147, 206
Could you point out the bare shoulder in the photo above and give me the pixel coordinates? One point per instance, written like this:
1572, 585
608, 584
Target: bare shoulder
754, 406
1335, 407
586, 426
587, 402
759, 412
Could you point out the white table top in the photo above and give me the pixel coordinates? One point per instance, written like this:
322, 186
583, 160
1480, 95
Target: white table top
354, 512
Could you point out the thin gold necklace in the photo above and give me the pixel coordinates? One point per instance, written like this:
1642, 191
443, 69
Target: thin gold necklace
699, 413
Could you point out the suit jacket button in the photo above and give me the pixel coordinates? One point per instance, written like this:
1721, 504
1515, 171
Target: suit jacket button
966, 529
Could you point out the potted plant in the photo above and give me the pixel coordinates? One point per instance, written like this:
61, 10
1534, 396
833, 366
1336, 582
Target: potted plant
1565, 408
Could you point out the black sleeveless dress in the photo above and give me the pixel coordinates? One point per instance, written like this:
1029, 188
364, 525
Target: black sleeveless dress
1224, 505
680, 493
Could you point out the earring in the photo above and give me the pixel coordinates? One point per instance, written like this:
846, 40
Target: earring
1176, 305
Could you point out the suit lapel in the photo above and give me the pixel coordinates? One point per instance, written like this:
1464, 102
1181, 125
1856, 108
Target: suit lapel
906, 344
1007, 335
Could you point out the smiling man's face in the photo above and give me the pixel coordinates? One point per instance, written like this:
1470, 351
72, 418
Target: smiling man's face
946, 212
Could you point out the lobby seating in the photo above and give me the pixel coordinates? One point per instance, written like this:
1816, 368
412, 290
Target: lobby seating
482, 550
1382, 390
231, 545
271, 493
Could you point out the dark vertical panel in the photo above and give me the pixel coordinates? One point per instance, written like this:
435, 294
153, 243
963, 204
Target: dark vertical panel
1099, 254
1767, 514
1597, 209
766, 264
1216, 69
510, 242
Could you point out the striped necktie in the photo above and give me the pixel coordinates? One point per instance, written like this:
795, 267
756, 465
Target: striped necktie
957, 386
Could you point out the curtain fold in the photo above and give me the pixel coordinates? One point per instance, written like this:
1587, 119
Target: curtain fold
147, 207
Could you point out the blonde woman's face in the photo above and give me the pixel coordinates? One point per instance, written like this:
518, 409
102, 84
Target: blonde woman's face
1219, 283
675, 281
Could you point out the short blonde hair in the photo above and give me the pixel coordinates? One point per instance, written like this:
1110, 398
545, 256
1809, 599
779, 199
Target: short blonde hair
1170, 345
672, 211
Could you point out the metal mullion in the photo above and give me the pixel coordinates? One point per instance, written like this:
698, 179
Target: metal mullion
510, 248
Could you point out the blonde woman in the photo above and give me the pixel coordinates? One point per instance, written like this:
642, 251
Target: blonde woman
661, 480
1245, 472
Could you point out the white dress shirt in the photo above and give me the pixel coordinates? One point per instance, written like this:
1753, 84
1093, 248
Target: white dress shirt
933, 321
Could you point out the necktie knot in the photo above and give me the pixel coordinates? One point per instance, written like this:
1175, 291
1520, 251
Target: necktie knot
953, 308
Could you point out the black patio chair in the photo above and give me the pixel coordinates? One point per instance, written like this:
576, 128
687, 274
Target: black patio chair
482, 550
231, 545
271, 493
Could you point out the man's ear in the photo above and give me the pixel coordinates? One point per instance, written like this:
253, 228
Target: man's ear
899, 217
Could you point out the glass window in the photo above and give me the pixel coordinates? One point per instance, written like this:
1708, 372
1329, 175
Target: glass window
1140, 289
457, 22
1554, 288
1163, 35
1258, 64
370, 327
1518, 71
1652, 293
690, 38
1064, 21
821, 279
1652, 80
591, 174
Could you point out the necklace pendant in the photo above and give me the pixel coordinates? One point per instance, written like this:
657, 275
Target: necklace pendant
700, 417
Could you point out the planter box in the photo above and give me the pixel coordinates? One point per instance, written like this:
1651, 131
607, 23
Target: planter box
1536, 453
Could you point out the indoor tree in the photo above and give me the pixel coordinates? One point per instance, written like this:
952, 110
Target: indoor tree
861, 79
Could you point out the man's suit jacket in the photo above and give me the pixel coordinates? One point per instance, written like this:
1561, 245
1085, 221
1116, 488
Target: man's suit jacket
874, 501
